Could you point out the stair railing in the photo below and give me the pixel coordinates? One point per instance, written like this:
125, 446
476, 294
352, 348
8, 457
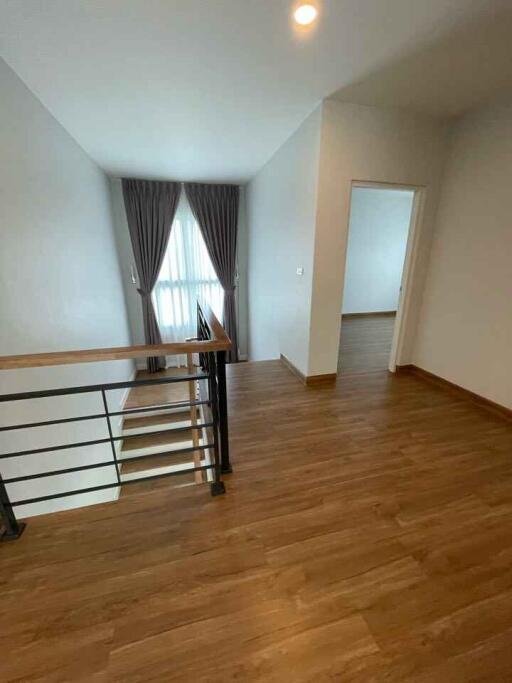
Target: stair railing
211, 345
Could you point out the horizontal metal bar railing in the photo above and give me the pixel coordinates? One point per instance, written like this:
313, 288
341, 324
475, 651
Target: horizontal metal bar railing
105, 463
211, 379
47, 423
54, 473
104, 487
163, 406
166, 454
92, 388
97, 442
115, 461
158, 432
50, 449
101, 416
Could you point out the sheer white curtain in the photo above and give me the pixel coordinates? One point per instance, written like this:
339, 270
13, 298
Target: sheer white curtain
186, 275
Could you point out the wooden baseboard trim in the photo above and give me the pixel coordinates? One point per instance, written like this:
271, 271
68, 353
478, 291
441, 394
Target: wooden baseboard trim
315, 380
309, 380
466, 394
369, 315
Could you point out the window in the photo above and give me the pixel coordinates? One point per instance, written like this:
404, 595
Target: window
186, 275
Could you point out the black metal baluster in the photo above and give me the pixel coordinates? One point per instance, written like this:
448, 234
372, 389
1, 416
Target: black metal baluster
223, 413
217, 487
11, 528
215, 375
111, 436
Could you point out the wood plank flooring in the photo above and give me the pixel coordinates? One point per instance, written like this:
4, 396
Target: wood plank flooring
365, 343
366, 536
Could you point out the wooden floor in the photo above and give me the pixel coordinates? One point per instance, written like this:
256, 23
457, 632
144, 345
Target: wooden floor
365, 343
366, 535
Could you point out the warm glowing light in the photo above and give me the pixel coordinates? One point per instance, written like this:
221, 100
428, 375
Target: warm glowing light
305, 14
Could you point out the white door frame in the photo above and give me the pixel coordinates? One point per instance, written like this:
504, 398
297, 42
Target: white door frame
411, 256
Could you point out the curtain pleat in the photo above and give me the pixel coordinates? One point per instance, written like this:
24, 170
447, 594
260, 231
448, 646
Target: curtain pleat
215, 208
150, 207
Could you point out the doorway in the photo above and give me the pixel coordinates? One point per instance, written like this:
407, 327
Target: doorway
380, 248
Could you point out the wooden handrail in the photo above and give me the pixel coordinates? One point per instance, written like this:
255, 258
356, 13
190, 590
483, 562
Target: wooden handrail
219, 342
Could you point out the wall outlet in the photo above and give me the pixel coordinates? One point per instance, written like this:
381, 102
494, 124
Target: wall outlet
300, 270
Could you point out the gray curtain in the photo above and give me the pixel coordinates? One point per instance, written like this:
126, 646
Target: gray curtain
150, 207
215, 208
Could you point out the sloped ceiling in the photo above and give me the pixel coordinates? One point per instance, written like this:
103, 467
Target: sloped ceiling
209, 89
455, 73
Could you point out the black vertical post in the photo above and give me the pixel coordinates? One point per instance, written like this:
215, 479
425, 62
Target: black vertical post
11, 529
200, 336
111, 436
217, 487
223, 413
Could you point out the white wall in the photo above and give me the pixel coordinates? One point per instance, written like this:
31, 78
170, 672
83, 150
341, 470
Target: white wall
465, 329
377, 239
126, 259
367, 144
60, 289
281, 206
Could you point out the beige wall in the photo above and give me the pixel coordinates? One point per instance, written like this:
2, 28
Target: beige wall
465, 328
281, 207
371, 144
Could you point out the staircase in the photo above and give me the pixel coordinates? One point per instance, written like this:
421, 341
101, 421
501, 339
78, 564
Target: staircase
174, 426
163, 442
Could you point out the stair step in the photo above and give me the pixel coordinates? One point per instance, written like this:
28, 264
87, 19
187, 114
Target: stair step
146, 461
160, 438
155, 426
141, 420
155, 448
157, 471
179, 428
163, 431
173, 392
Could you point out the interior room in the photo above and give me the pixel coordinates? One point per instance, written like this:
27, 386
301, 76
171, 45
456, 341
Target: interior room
255, 367
379, 226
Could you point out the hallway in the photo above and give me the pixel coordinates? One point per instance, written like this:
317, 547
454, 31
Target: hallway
366, 535
365, 342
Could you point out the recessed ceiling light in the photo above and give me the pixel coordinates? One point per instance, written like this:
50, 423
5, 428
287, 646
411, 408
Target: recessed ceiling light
305, 14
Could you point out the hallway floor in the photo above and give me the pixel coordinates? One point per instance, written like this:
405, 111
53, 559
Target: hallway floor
365, 536
365, 343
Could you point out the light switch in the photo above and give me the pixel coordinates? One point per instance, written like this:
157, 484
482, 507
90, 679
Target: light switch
300, 270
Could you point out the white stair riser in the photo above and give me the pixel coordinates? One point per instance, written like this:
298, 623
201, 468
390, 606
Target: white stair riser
159, 448
182, 467
157, 427
155, 413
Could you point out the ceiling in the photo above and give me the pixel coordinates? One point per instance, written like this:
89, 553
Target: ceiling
454, 73
209, 89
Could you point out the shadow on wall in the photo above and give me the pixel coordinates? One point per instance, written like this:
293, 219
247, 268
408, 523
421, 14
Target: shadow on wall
459, 71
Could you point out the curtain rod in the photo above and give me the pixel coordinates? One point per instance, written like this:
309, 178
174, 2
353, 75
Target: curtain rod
181, 182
